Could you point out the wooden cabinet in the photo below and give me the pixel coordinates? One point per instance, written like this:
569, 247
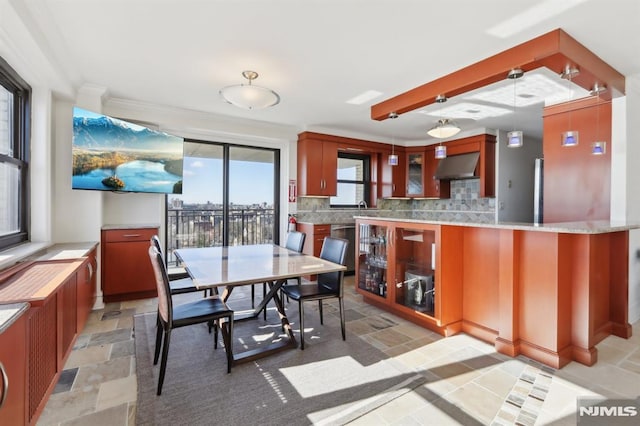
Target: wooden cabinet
86, 288
315, 234
393, 178
13, 356
126, 270
415, 174
434, 188
317, 166
398, 268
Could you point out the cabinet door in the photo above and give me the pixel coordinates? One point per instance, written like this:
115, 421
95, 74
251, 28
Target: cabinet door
317, 167
415, 174
86, 287
373, 254
126, 269
392, 177
13, 364
434, 187
69, 314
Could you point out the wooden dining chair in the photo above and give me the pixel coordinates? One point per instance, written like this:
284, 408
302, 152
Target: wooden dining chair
329, 285
295, 242
207, 310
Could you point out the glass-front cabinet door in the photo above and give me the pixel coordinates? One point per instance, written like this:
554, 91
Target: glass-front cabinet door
373, 259
415, 174
414, 268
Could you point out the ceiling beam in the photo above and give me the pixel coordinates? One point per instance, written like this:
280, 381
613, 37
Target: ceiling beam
555, 50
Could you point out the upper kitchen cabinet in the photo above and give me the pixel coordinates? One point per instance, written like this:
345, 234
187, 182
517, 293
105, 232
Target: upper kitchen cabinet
434, 188
393, 177
415, 173
317, 165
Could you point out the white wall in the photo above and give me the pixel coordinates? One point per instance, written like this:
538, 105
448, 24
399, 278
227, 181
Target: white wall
514, 179
625, 197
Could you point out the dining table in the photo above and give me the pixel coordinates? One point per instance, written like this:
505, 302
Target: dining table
226, 267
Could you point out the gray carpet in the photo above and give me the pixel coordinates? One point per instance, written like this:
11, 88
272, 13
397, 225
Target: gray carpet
331, 382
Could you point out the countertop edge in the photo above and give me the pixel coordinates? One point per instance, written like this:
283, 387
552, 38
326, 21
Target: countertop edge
17, 308
585, 227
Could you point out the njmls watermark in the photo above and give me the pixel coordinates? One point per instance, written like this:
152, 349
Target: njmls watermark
597, 412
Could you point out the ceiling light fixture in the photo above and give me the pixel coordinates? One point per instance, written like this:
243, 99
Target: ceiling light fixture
598, 147
249, 96
570, 137
393, 158
445, 127
514, 137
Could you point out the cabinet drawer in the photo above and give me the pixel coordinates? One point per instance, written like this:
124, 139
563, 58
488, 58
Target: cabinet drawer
133, 234
323, 230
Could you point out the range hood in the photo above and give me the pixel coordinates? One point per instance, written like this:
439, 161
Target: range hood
461, 166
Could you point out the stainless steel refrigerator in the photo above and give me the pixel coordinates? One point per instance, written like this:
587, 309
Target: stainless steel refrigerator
538, 185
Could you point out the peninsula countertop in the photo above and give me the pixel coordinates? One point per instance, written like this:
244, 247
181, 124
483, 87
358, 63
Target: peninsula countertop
11, 312
580, 227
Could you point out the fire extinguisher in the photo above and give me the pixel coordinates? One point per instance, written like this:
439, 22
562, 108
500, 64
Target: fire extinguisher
292, 223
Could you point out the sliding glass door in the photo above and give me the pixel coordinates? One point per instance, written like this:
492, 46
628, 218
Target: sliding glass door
229, 197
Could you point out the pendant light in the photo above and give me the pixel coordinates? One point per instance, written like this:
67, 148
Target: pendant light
514, 137
393, 158
598, 147
444, 128
570, 137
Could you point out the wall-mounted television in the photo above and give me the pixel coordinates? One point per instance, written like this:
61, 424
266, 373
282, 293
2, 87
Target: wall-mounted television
110, 154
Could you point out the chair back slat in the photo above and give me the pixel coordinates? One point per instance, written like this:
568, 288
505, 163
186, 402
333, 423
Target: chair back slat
334, 250
165, 306
295, 241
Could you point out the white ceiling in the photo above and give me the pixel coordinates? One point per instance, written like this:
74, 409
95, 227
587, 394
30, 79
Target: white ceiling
317, 54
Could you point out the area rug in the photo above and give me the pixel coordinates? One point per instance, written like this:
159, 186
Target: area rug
331, 382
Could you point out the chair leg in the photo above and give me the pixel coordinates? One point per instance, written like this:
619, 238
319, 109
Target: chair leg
158, 342
215, 333
228, 343
342, 317
163, 362
320, 309
264, 294
253, 296
301, 309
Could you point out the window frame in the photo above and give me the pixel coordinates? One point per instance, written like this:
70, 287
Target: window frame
20, 139
366, 173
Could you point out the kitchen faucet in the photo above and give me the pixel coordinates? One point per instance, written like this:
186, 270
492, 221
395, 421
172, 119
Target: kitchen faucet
362, 203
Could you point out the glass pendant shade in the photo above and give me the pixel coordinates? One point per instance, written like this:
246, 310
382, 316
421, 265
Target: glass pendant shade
570, 138
393, 160
441, 152
514, 139
445, 128
598, 148
249, 96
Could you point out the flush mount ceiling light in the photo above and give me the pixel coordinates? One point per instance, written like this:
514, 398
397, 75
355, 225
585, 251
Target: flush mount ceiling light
444, 128
249, 96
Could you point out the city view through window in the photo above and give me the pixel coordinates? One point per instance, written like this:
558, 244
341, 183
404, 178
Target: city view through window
196, 218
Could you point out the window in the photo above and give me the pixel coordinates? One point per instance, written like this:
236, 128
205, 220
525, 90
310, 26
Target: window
353, 180
14, 157
230, 196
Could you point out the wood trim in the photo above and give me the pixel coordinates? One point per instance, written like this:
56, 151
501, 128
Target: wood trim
554, 50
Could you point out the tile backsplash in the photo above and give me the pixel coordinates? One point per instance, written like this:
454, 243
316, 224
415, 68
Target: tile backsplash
465, 205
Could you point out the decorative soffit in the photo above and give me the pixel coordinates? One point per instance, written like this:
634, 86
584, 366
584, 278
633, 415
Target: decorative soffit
555, 50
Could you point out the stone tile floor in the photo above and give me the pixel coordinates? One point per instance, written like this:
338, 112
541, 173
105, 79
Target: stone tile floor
468, 381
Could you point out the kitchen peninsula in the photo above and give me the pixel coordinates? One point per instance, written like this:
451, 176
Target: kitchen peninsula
550, 291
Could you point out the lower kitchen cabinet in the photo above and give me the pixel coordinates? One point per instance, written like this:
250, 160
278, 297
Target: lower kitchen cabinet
13, 363
398, 268
126, 270
34, 349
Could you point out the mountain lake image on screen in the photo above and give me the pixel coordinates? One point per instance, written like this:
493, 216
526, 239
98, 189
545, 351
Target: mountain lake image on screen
110, 154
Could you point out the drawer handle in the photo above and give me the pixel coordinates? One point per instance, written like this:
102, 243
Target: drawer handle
131, 235
5, 385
